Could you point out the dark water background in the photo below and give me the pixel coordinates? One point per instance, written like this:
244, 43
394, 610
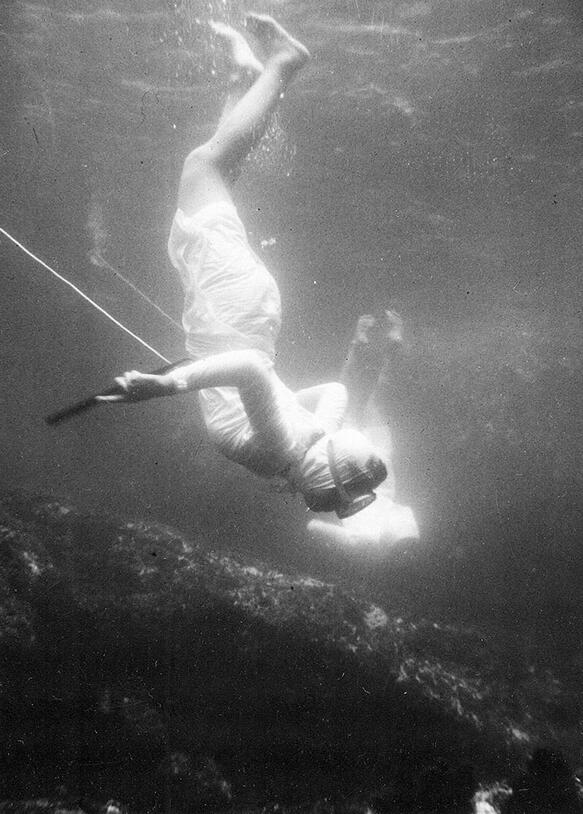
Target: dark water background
430, 157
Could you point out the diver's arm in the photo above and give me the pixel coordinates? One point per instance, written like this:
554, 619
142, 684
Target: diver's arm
376, 347
360, 382
327, 402
362, 368
136, 386
242, 369
247, 370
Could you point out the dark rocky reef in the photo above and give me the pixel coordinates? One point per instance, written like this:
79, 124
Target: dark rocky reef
135, 663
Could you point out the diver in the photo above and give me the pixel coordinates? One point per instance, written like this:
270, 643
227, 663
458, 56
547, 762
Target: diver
232, 309
375, 354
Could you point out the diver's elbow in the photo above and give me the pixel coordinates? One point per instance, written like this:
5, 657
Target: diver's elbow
255, 368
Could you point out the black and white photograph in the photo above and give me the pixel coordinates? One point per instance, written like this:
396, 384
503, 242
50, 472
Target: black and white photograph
291, 515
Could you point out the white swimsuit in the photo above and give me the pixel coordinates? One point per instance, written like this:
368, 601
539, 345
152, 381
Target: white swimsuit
232, 303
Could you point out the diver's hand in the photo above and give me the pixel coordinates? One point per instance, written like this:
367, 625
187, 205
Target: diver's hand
393, 327
137, 386
378, 333
365, 326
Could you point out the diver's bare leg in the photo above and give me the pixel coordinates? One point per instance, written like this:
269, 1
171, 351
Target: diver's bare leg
211, 169
244, 66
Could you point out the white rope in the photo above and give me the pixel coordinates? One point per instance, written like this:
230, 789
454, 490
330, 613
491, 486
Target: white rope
84, 296
101, 262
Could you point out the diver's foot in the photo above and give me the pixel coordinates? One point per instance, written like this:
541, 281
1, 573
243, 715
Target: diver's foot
244, 63
278, 44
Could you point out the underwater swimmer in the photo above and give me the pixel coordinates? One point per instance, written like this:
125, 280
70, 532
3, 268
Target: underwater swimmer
374, 353
232, 310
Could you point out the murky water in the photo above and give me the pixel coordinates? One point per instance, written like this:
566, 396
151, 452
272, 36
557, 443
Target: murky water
428, 157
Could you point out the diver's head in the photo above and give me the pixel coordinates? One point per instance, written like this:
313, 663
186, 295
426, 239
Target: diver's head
339, 472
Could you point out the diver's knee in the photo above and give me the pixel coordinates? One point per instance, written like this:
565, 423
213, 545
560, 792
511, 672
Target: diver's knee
195, 165
200, 162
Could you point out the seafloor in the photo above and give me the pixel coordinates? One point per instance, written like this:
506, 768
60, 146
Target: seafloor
139, 666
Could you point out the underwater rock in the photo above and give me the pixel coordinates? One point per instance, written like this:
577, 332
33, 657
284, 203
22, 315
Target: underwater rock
137, 663
548, 786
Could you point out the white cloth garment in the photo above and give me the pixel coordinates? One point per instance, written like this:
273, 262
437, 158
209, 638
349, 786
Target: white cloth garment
232, 303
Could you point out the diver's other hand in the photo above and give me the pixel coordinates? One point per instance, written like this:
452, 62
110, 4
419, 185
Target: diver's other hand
379, 333
136, 386
393, 326
364, 328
